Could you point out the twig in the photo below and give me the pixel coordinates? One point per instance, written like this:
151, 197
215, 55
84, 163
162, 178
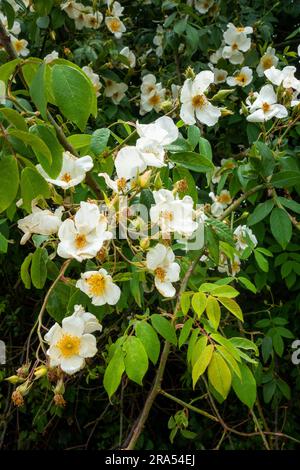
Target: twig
156, 386
239, 201
187, 405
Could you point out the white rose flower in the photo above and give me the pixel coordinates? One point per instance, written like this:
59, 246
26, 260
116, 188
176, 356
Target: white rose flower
285, 77
41, 222
267, 61
160, 260
115, 26
51, 57
73, 171
91, 322
163, 130
72, 9
93, 20
172, 214
242, 233
265, 106
220, 202
94, 77
241, 77
100, 287
20, 46
236, 42
129, 163
69, 345
202, 6
16, 27
194, 101
84, 236
115, 91
129, 55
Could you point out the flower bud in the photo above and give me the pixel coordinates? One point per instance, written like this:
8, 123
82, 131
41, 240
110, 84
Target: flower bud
60, 387
144, 179
181, 186
23, 371
189, 73
144, 243
158, 182
14, 379
40, 371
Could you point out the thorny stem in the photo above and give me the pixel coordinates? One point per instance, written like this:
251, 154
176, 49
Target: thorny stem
39, 321
156, 386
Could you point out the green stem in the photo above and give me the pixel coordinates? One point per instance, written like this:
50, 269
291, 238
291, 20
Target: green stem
187, 405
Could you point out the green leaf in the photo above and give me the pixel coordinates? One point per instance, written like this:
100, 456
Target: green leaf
199, 302
245, 387
185, 331
244, 343
25, 276
229, 359
247, 284
281, 226
213, 311
58, 301
38, 90
285, 179
73, 94
205, 148
33, 186
261, 261
39, 268
289, 203
149, 338
219, 375
193, 135
192, 161
185, 302
232, 306
3, 243
99, 140
113, 373
14, 118
221, 230
164, 328
6, 70
79, 141
260, 212
225, 291
9, 181
135, 359
47, 134
202, 363
198, 348
40, 149
227, 345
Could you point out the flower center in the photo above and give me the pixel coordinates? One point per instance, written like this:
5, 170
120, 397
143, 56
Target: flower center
97, 284
234, 46
80, 241
266, 107
241, 29
68, 345
121, 182
66, 177
160, 273
267, 62
167, 215
241, 78
114, 25
18, 45
198, 101
224, 198
154, 100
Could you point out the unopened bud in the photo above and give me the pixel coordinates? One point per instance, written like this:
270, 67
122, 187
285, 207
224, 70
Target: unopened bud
144, 179
158, 182
53, 35
189, 73
144, 243
226, 112
60, 387
40, 371
166, 106
23, 371
14, 379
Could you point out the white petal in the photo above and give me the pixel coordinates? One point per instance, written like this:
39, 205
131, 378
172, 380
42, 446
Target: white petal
88, 347
187, 113
87, 217
165, 288
73, 326
54, 334
173, 272
113, 293
72, 364
155, 256
203, 80
128, 163
208, 115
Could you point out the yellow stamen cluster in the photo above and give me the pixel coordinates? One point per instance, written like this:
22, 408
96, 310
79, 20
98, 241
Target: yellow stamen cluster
97, 284
68, 345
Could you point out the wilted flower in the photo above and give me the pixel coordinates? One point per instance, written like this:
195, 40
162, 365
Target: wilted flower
42, 222
220, 202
